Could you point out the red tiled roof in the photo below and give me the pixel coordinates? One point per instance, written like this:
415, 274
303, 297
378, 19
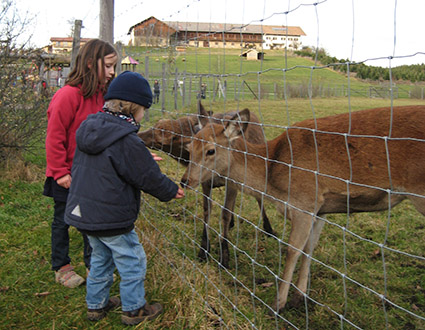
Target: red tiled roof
229, 28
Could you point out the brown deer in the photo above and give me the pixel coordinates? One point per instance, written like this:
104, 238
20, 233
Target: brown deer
172, 136
365, 161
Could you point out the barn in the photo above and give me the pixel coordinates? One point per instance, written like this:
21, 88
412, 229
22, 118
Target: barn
153, 32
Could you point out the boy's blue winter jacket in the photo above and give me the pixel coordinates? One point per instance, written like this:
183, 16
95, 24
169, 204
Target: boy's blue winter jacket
111, 166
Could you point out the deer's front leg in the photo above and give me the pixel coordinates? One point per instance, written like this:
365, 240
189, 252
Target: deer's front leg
227, 217
205, 242
300, 233
306, 262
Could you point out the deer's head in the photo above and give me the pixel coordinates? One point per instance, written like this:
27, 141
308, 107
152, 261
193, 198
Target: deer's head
211, 149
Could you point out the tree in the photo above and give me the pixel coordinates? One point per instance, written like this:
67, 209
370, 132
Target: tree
22, 105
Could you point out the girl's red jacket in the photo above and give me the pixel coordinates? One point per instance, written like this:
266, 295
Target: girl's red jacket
67, 110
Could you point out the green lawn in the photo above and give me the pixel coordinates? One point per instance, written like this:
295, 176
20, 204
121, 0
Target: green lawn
202, 295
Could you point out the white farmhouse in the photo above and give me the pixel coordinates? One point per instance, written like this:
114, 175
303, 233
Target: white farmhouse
280, 37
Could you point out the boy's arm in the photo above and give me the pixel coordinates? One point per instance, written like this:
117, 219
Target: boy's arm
180, 192
141, 170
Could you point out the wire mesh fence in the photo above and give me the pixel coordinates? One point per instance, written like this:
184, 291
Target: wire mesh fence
260, 188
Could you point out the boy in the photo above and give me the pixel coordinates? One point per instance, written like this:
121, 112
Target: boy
111, 166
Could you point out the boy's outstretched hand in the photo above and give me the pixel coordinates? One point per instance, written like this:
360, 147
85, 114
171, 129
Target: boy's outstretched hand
156, 157
180, 193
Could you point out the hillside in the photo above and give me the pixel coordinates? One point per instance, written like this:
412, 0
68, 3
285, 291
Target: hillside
296, 74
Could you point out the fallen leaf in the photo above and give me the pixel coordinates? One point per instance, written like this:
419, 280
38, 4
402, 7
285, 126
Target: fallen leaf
267, 284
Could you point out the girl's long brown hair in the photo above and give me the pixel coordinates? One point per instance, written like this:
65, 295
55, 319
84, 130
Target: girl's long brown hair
86, 76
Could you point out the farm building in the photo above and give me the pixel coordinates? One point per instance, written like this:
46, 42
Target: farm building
153, 32
62, 45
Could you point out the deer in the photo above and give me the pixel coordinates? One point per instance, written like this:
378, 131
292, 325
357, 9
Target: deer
172, 136
363, 161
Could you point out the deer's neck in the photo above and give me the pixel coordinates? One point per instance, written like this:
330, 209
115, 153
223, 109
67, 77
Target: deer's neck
251, 163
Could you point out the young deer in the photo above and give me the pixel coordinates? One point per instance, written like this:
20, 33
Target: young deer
370, 160
172, 136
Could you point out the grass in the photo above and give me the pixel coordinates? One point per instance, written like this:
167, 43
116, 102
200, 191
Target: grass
271, 75
202, 295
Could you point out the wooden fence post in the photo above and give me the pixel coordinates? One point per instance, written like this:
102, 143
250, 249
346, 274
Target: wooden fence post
164, 88
76, 41
147, 67
190, 89
184, 90
118, 47
175, 88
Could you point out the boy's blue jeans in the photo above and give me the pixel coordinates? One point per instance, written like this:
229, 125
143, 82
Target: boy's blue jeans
126, 254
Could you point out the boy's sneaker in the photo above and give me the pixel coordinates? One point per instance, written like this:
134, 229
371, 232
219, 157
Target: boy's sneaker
98, 314
67, 277
147, 312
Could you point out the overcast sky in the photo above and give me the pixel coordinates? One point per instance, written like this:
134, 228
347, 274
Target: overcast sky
359, 30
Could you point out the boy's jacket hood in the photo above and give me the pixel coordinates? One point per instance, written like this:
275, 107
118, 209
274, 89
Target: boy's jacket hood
99, 131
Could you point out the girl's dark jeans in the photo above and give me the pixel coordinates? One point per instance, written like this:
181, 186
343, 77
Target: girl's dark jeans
60, 239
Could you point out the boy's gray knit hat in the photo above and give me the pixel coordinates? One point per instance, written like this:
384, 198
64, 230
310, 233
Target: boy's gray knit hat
132, 87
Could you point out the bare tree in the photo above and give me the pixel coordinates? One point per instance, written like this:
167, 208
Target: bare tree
23, 95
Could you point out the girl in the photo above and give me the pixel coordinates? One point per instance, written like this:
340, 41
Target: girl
82, 95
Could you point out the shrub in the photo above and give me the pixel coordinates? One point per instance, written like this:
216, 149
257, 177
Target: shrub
22, 103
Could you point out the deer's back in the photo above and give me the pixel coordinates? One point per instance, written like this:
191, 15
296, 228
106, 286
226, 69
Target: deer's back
375, 147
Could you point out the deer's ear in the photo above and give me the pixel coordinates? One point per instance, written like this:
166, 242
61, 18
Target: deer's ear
187, 146
244, 115
203, 115
237, 125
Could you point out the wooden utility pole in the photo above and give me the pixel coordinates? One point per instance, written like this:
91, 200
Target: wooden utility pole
106, 21
76, 41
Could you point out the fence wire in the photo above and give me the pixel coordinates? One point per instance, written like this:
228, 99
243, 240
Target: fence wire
367, 270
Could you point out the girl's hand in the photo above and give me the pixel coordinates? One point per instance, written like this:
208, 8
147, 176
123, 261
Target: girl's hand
65, 181
156, 157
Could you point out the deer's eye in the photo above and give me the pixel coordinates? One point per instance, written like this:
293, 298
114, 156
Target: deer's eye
210, 152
